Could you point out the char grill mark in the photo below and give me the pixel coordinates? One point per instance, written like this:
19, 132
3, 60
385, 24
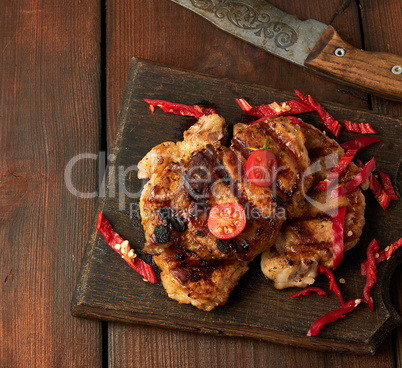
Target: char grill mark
204, 169
280, 138
194, 272
224, 246
187, 267
200, 233
234, 161
241, 147
239, 245
162, 234
176, 223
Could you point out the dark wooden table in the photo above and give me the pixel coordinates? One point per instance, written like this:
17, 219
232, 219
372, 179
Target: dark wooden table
63, 67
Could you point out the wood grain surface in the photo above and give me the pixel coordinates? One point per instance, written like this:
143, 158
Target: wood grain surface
205, 48
380, 41
49, 95
63, 67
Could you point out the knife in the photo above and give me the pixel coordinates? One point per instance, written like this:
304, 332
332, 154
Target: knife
310, 43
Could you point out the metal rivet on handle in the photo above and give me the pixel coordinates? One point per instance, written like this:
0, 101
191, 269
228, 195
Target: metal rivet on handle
396, 69
340, 52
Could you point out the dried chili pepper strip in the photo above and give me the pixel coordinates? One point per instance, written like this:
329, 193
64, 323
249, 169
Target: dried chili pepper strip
302, 97
360, 128
379, 193
308, 291
260, 120
359, 143
274, 109
332, 283
387, 185
371, 272
244, 105
348, 125
355, 182
383, 255
338, 237
369, 128
328, 120
294, 119
359, 163
104, 227
390, 250
179, 109
336, 171
333, 316
122, 247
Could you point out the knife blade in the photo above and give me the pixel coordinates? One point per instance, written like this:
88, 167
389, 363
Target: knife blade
309, 43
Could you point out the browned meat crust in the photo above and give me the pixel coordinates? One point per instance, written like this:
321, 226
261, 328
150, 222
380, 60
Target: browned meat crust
196, 267
204, 283
306, 241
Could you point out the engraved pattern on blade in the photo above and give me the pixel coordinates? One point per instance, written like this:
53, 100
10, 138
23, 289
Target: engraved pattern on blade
245, 17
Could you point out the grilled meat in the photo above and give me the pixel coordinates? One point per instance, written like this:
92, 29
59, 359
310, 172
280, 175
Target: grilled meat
306, 241
288, 144
203, 283
188, 178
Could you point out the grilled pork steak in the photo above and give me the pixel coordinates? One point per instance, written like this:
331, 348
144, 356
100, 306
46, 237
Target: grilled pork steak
306, 241
188, 178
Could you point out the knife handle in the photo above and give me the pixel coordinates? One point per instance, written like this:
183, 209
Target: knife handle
379, 73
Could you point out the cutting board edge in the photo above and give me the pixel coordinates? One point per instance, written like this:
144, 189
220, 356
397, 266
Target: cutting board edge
80, 308
84, 310
136, 62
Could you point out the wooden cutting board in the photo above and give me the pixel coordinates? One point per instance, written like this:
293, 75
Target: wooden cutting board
108, 289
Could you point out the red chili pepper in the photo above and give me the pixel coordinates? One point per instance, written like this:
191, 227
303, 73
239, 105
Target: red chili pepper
244, 105
328, 120
355, 182
359, 163
260, 120
117, 243
359, 143
104, 227
337, 170
333, 316
292, 107
338, 237
392, 248
379, 193
294, 120
179, 109
348, 125
308, 291
361, 128
383, 255
302, 97
369, 128
371, 272
332, 283
387, 185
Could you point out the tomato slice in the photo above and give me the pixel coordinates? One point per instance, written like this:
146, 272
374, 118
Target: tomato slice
261, 168
226, 220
